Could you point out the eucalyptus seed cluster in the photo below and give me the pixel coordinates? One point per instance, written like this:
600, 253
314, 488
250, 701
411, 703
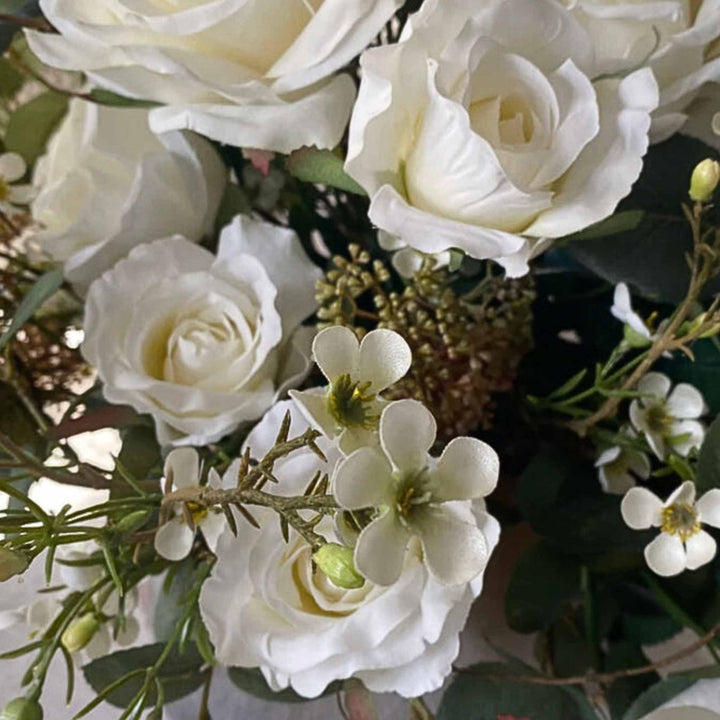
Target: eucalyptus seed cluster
464, 350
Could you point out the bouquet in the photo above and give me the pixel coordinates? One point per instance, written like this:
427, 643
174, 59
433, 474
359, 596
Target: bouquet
366, 351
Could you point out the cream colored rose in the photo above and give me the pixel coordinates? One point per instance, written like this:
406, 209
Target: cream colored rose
266, 606
486, 130
203, 343
678, 39
250, 73
107, 183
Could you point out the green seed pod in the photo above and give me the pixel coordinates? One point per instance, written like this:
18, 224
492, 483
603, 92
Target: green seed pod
80, 632
635, 339
704, 181
11, 563
133, 522
336, 561
22, 709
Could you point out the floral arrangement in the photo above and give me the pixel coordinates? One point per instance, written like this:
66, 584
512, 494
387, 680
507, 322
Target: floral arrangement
382, 315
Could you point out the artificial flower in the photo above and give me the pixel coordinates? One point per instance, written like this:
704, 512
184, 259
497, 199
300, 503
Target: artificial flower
349, 407
203, 343
669, 420
477, 132
679, 40
698, 702
637, 331
12, 169
619, 466
251, 74
175, 538
682, 543
107, 184
406, 260
416, 496
266, 606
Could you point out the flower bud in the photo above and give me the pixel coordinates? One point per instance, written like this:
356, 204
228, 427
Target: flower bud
11, 563
133, 522
22, 709
80, 632
635, 339
705, 179
336, 561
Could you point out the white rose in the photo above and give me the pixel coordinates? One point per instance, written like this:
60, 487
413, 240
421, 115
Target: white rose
680, 40
244, 72
484, 130
203, 343
265, 607
108, 183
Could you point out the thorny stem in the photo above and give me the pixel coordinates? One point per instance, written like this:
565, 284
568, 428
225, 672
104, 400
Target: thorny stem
609, 677
702, 269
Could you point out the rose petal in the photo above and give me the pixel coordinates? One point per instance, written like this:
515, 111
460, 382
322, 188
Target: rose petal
384, 359
407, 432
666, 556
468, 468
701, 549
641, 509
380, 550
362, 479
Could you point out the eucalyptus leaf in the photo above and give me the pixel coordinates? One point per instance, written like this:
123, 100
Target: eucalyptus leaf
617, 223
251, 681
32, 124
656, 696
471, 696
323, 167
180, 676
10, 79
44, 288
708, 469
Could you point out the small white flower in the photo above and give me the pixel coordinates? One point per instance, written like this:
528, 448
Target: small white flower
414, 494
622, 309
682, 543
619, 467
12, 168
668, 419
406, 260
175, 538
349, 407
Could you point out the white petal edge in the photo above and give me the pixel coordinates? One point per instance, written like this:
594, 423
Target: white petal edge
641, 509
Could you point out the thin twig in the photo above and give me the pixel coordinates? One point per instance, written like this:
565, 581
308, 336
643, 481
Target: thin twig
32, 23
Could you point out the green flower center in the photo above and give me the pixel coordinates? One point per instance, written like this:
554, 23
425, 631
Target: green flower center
659, 420
350, 403
411, 490
681, 519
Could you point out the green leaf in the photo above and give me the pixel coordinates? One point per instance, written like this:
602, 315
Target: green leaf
234, 202
32, 124
540, 483
656, 696
45, 287
169, 607
180, 676
107, 97
10, 79
140, 451
649, 629
543, 579
617, 223
651, 256
624, 691
708, 469
251, 681
471, 696
323, 167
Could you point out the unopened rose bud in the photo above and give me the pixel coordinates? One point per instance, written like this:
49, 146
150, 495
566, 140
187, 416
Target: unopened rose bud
11, 563
705, 179
80, 632
22, 709
336, 561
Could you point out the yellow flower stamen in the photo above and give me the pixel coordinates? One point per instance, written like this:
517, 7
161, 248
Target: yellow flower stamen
681, 519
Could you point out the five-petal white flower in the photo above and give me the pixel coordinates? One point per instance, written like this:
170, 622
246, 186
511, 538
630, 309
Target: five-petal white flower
682, 543
12, 169
619, 466
669, 420
413, 494
349, 407
175, 538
